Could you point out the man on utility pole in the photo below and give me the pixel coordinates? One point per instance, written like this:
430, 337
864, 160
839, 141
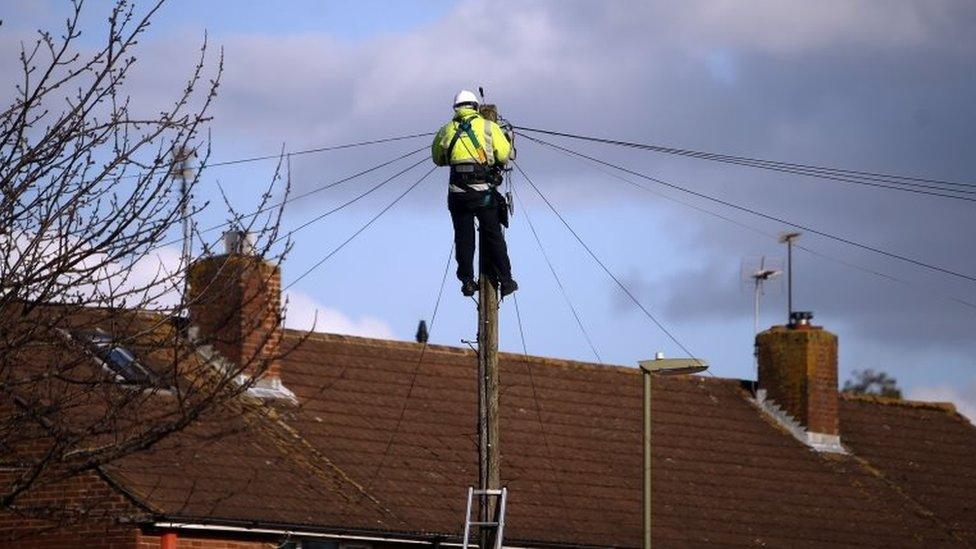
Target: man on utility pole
475, 149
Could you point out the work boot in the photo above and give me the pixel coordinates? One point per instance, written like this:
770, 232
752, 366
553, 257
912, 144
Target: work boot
508, 287
469, 287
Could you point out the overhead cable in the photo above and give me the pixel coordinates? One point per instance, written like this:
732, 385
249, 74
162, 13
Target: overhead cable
550, 459
359, 231
763, 215
917, 185
518, 317
322, 149
353, 200
555, 276
811, 251
603, 266
717, 156
293, 198
413, 376
297, 153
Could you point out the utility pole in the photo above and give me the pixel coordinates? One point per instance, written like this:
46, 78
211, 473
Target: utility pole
488, 449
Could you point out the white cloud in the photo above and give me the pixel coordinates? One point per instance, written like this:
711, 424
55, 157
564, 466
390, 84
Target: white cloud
963, 396
305, 313
155, 281
150, 281
160, 269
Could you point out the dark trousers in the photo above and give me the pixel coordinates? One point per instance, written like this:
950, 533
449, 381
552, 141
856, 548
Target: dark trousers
465, 207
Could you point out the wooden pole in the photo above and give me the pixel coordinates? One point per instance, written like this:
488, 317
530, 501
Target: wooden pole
488, 449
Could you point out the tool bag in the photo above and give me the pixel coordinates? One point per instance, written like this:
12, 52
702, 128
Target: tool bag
502, 204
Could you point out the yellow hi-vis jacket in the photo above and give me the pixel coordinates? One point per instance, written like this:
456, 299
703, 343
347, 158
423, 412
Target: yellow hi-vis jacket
492, 145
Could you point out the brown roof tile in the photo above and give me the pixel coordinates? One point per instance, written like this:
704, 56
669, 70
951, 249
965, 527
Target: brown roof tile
403, 432
926, 452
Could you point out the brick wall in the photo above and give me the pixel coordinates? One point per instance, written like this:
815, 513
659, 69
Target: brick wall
94, 516
798, 370
84, 511
236, 302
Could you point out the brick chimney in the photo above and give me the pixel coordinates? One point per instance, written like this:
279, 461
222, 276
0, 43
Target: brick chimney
798, 380
235, 305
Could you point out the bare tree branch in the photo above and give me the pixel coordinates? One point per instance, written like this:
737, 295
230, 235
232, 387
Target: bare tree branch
89, 197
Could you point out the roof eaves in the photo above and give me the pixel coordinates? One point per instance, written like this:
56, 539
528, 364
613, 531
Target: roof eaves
117, 482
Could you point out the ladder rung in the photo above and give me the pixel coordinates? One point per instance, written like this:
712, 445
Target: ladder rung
498, 525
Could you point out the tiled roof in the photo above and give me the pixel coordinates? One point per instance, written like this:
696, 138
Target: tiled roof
925, 451
384, 442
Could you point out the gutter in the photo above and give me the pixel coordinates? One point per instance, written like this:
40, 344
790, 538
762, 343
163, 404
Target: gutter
289, 532
338, 534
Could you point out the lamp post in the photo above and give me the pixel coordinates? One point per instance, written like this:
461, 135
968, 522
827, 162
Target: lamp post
658, 366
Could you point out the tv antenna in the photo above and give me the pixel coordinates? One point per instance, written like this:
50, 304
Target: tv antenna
756, 272
181, 169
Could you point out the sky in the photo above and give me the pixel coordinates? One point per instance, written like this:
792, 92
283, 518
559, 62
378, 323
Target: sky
883, 87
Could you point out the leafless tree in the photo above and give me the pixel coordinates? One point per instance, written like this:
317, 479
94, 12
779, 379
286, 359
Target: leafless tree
89, 198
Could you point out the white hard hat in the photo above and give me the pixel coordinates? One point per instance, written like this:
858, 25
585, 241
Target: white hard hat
465, 96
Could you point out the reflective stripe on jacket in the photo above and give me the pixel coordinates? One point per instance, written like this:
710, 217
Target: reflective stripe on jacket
494, 146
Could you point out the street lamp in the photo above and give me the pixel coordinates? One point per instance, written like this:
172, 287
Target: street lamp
663, 367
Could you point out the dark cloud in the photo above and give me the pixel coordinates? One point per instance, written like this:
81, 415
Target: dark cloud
868, 306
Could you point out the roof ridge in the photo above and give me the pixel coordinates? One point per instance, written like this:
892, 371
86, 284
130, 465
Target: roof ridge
947, 407
370, 341
139, 311
511, 356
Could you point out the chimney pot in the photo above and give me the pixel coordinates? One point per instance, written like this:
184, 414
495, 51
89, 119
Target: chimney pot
422, 334
800, 319
238, 242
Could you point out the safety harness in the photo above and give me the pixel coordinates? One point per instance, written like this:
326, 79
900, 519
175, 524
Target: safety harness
465, 175
483, 171
465, 126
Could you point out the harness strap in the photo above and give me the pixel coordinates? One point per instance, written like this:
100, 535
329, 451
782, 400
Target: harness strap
450, 148
465, 126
